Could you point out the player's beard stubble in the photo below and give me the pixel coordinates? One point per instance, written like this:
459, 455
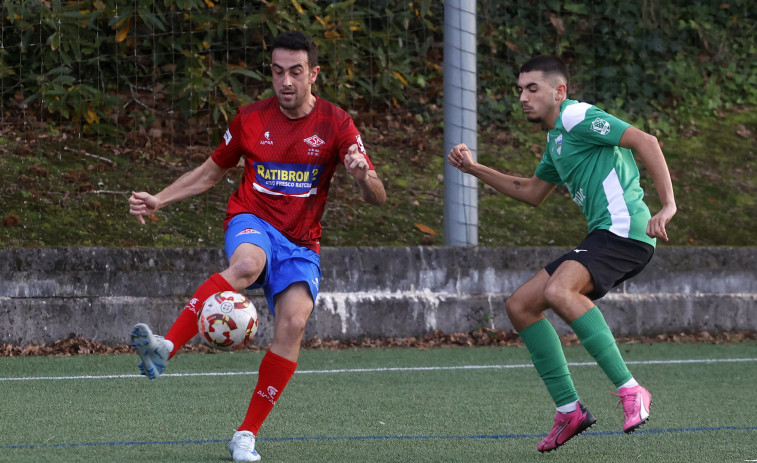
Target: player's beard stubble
290, 100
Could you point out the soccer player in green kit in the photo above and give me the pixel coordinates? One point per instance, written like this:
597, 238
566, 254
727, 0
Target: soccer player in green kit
588, 151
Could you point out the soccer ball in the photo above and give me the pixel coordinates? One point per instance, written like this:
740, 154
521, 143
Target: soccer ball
227, 321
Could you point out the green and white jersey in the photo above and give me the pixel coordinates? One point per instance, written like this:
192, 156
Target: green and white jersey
582, 153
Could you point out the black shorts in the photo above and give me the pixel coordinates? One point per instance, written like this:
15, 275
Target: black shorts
610, 259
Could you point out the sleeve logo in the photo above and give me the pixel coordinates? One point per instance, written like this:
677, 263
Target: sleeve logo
600, 126
227, 137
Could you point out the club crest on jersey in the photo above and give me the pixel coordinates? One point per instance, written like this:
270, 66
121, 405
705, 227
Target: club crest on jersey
600, 126
267, 140
314, 141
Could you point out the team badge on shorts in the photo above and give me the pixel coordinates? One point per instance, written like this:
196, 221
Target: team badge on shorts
247, 231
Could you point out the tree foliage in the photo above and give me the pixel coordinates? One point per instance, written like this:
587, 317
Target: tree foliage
639, 59
106, 64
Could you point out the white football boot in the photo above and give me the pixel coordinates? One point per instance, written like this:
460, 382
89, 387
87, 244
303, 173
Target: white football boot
242, 447
153, 350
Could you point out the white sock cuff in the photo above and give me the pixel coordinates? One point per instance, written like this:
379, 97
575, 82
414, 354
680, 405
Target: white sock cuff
630, 383
567, 408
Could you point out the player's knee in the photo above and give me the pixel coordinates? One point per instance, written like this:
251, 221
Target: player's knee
514, 306
248, 269
554, 294
292, 326
525, 306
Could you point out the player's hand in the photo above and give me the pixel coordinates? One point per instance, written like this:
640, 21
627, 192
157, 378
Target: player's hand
656, 225
461, 157
355, 163
141, 203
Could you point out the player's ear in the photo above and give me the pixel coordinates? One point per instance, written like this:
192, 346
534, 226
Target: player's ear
314, 74
561, 92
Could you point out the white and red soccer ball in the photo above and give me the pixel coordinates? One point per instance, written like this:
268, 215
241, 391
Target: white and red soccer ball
227, 321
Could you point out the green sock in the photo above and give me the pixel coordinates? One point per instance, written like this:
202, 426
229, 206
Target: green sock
596, 337
547, 355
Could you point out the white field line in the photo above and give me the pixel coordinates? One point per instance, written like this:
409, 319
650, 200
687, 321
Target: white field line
379, 370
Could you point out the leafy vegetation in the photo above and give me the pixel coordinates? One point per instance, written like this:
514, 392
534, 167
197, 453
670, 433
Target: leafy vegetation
99, 97
658, 64
113, 67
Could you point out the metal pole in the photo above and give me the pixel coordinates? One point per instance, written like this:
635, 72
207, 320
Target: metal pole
460, 121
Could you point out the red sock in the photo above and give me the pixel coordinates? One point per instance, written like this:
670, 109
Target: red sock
185, 326
274, 374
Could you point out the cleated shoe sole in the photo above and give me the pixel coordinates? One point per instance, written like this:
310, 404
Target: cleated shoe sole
153, 351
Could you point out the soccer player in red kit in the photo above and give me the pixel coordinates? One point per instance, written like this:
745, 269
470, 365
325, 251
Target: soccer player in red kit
291, 145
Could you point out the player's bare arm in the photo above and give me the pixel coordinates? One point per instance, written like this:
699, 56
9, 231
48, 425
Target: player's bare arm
371, 187
192, 183
531, 190
648, 149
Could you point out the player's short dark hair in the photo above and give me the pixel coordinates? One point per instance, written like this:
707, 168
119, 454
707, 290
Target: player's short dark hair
296, 41
550, 65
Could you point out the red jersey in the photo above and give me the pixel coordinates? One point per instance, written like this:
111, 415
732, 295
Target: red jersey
288, 164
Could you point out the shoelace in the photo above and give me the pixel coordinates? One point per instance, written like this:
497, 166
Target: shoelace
628, 401
244, 443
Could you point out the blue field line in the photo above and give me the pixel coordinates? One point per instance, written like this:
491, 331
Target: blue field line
367, 438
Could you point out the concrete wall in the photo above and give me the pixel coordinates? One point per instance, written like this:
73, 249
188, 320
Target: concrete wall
51, 293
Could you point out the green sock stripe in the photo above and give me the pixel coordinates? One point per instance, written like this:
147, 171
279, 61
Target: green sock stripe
547, 355
596, 337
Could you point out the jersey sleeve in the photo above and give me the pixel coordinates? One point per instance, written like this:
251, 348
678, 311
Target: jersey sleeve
546, 170
349, 136
229, 151
598, 127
